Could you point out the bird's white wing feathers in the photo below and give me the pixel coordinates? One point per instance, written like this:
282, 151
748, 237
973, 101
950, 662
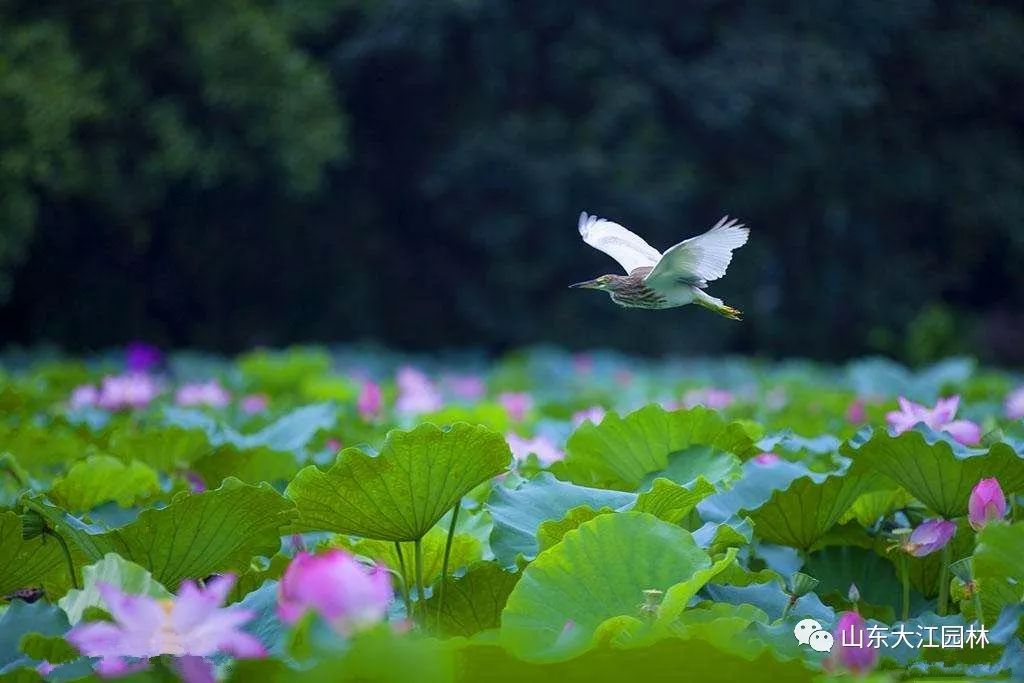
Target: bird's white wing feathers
629, 249
700, 259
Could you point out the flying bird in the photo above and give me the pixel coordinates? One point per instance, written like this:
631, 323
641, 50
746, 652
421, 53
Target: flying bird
655, 280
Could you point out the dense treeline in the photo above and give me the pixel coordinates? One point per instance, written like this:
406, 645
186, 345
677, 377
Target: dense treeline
223, 174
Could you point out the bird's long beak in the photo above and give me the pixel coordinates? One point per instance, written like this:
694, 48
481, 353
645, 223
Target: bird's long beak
589, 284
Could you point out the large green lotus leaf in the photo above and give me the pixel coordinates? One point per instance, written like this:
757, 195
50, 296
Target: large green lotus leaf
290, 432
938, 472
52, 649
999, 567
685, 467
22, 618
883, 377
465, 550
552, 531
802, 513
193, 537
873, 505
753, 489
837, 567
25, 564
668, 660
472, 602
40, 449
672, 502
116, 571
518, 513
252, 465
103, 478
622, 451
594, 580
678, 596
165, 449
285, 370
401, 493
377, 656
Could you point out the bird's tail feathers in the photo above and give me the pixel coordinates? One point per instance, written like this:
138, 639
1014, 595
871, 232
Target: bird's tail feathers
718, 306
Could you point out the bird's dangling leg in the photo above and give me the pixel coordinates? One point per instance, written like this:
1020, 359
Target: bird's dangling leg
717, 305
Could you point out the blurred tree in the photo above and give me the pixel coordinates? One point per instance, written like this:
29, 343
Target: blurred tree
873, 147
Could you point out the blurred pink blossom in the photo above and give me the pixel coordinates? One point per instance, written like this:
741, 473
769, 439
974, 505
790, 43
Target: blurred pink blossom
84, 396
255, 403
370, 400
123, 392
541, 446
209, 393
191, 624
715, 399
467, 387
592, 414
417, 393
333, 444
1014, 405
939, 418
516, 403
766, 458
856, 412
346, 593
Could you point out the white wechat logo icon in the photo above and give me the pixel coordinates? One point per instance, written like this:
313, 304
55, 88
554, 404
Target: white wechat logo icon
810, 632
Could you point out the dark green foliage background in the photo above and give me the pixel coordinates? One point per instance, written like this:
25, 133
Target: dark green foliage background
250, 171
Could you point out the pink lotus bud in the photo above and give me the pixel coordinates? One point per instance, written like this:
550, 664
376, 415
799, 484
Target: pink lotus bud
766, 458
987, 503
852, 649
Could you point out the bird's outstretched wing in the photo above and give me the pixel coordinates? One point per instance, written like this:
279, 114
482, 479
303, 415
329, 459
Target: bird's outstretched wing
629, 249
700, 259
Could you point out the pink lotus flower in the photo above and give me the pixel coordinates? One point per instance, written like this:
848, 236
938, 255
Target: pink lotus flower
370, 401
715, 399
986, 503
202, 394
191, 625
123, 392
857, 412
255, 403
929, 537
852, 649
516, 404
939, 418
333, 444
416, 392
541, 446
592, 414
766, 458
1014, 405
334, 584
142, 357
466, 387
